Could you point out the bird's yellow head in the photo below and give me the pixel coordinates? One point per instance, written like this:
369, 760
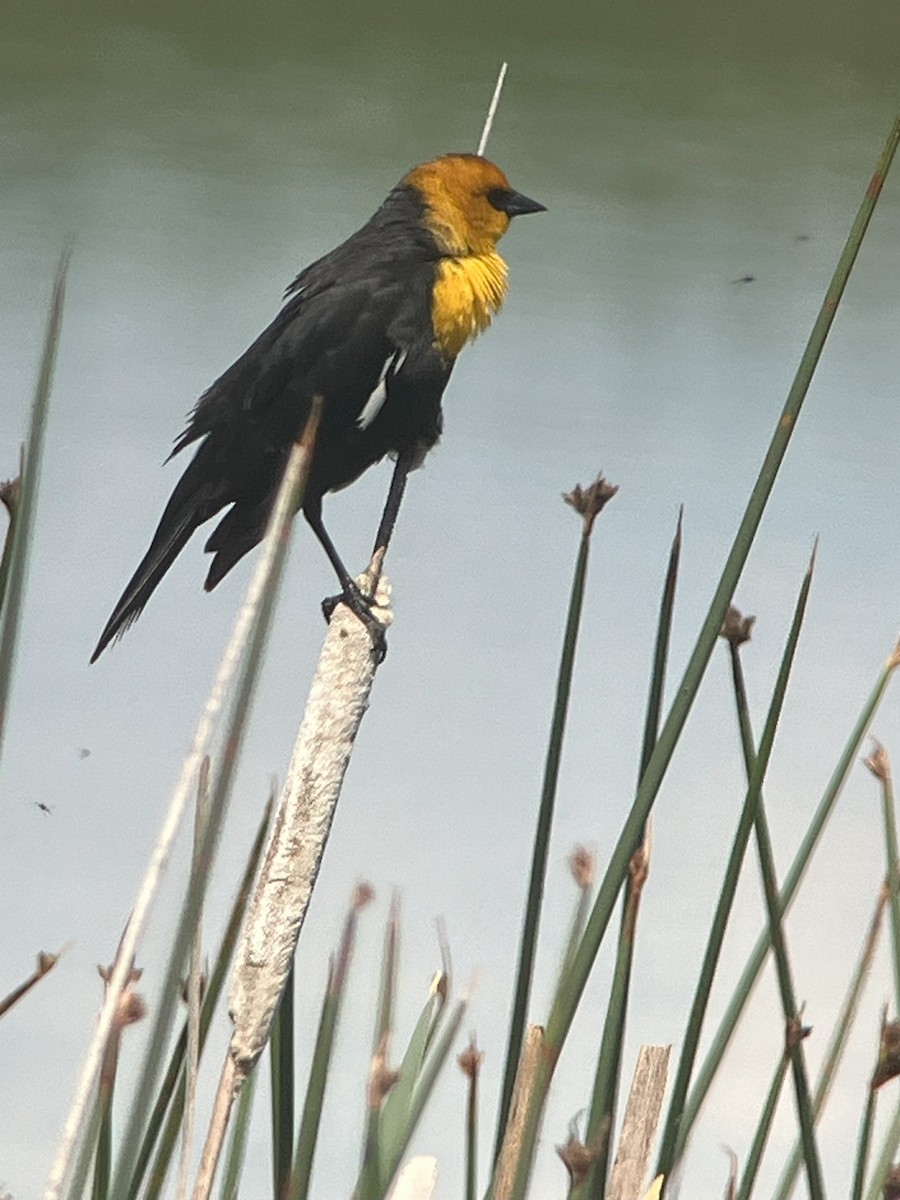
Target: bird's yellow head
469, 202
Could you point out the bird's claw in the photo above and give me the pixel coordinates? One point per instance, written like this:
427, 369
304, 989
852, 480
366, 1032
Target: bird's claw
361, 606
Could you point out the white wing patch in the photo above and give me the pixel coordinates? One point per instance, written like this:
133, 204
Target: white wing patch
378, 395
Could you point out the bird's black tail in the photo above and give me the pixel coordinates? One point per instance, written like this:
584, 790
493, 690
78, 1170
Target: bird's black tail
194, 501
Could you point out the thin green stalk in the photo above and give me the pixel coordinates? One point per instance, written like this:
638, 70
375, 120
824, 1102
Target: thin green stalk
308, 1133
381, 1078
16, 564
885, 1159
384, 1023
566, 1003
237, 1148
757, 767
602, 1113
792, 881
837, 1041
600, 493
281, 1059
776, 930
431, 1069
581, 864
601, 1117
105, 1093
321, 1060
173, 1085
763, 1129
661, 650
879, 764
863, 1145
470, 1063
397, 1103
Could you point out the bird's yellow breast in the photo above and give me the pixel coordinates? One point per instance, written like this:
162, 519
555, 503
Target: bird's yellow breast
468, 290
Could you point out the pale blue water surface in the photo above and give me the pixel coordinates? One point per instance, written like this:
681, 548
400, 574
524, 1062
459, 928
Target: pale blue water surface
199, 156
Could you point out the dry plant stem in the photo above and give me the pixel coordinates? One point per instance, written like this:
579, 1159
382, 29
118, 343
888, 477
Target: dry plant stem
338, 698
512, 1144
337, 701
230, 1083
639, 1123
149, 885
192, 1059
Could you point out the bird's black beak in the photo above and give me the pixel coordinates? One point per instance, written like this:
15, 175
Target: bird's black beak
514, 204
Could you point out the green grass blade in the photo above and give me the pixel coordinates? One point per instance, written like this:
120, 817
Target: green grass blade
470, 1064
880, 766
396, 1108
661, 648
588, 503
863, 1145
281, 1058
237, 1147
757, 766
381, 1078
602, 1115
564, 1007
794, 1043
321, 1059
16, 564
763, 1129
582, 865
792, 881
434, 1064
838, 1040
105, 1093
885, 1159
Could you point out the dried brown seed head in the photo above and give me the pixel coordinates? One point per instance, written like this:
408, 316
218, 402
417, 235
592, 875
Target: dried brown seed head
381, 1077
581, 864
363, 894
795, 1032
577, 1159
471, 1059
131, 1009
878, 762
736, 628
589, 502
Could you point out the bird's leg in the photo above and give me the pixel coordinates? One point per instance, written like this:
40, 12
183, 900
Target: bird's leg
351, 595
404, 464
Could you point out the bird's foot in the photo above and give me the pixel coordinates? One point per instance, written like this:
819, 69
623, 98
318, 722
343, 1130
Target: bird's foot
362, 605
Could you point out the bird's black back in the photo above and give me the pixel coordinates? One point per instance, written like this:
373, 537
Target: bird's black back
358, 318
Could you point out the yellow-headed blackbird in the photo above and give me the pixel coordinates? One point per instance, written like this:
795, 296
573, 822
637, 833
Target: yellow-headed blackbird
374, 328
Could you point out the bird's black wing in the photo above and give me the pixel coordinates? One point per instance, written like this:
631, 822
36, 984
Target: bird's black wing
333, 338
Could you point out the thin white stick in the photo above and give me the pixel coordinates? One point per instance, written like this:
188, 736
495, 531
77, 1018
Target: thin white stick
492, 109
161, 851
192, 1057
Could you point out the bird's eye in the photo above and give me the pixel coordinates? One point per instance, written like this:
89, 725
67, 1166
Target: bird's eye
499, 198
